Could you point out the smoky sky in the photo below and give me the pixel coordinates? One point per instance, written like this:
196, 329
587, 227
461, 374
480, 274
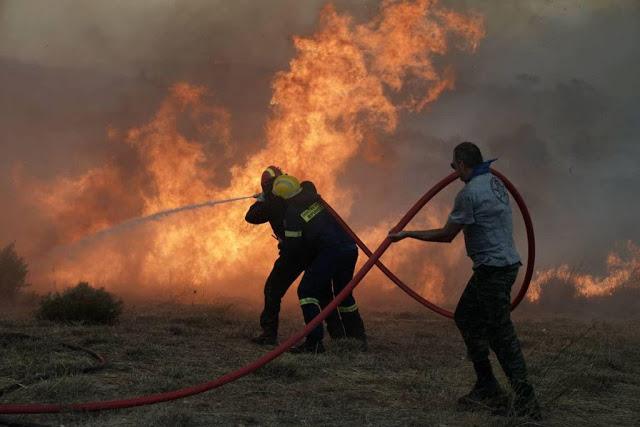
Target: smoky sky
553, 91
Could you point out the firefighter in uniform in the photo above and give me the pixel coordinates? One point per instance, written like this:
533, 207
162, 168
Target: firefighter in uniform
309, 227
483, 211
287, 268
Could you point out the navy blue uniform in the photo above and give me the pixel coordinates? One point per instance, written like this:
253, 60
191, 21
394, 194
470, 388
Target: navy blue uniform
286, 268
310, 228
271, 211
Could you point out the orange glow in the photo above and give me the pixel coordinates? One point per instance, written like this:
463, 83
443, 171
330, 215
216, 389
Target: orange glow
421, 266
621, 272
325, 110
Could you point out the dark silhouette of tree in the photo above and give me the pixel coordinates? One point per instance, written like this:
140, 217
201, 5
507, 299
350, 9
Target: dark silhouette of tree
13, 272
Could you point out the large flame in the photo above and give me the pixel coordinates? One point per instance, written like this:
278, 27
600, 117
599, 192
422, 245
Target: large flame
347, 83
622, 271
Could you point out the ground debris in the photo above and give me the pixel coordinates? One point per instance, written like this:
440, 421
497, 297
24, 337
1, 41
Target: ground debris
586, 373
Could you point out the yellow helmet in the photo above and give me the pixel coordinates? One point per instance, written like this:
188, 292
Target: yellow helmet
286, 186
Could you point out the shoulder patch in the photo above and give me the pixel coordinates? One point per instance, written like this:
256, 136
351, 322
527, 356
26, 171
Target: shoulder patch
499, 191
312, 211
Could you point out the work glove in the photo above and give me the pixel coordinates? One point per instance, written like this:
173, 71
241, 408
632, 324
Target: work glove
260, 196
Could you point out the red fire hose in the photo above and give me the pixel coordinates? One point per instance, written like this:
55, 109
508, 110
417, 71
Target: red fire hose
531, 246
258, 363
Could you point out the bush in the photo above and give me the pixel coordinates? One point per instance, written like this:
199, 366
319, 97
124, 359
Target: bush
81, 303
13, 271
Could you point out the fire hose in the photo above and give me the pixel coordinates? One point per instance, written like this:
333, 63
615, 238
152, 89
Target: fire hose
531, 246
273, 354
102, 363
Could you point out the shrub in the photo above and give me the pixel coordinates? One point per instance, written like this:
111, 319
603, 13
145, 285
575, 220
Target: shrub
13, 271
82, 303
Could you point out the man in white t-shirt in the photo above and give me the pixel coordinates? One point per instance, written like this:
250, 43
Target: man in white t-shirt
483, 315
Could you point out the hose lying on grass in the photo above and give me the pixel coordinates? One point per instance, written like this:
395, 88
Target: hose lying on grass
45, 376
258, 363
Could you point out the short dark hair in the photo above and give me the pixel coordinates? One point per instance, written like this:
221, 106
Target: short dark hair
468, 153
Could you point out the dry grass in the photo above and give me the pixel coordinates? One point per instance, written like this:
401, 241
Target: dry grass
586, 373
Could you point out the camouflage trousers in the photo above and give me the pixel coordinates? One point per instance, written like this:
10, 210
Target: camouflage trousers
483, 316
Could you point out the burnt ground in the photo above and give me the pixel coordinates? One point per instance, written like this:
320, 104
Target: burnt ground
587, 372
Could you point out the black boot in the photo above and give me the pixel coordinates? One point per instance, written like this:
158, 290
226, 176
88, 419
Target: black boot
525, 403
354, 327
265, 339
334, 326
487, 390
310, 346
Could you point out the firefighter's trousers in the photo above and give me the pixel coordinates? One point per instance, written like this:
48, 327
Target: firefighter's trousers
285, 271
330, 271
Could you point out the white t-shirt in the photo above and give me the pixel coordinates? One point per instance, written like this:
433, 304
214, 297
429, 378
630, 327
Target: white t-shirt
483, 207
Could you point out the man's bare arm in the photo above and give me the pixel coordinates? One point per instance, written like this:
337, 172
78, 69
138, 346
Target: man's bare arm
445, 234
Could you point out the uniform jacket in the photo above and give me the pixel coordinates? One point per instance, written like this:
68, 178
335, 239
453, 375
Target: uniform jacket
309, 226
272, 210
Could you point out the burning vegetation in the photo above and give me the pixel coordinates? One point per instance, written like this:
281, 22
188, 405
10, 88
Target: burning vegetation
350, 84
623, 271
347, 84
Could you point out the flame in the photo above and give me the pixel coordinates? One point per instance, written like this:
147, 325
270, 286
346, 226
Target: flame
347, 83
621, 272
422, 267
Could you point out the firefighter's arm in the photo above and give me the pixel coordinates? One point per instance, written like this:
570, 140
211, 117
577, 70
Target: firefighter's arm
258, 213
445, 234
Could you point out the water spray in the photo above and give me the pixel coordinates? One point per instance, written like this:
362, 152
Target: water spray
155, 216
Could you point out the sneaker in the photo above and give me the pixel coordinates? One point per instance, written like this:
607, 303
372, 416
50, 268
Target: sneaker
309, 347
265, 339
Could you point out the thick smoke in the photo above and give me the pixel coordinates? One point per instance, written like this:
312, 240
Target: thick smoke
553, 91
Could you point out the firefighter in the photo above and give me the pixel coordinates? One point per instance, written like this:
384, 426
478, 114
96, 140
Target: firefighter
483, 211
287, 268
309, 227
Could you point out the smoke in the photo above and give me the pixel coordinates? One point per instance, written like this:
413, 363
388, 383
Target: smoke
552, 90
570, 108
553, 93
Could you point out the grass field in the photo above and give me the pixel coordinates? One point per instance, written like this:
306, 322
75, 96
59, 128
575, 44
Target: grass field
586, 372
